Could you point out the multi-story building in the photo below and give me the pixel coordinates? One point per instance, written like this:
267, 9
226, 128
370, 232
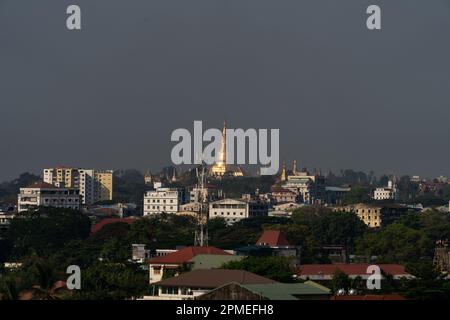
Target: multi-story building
5, 219
375, 216
103, 185
386, 193
280, 195
162, 200
233, 210
94, 185
309, 188
48, 195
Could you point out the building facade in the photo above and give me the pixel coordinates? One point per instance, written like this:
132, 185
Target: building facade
47, 195
162, 200
386, 193
94, 185
375, 216
310, 189
233, 210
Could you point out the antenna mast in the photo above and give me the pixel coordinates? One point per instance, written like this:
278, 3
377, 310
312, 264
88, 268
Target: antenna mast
201, 232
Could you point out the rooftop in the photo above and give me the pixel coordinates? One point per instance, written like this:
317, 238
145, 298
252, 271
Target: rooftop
98, 226
213, 278
186, 254
349, 269
272, 238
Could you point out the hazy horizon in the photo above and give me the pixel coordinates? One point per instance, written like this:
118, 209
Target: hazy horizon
109, 96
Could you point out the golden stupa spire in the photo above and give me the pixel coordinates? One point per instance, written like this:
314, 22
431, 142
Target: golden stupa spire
283, 172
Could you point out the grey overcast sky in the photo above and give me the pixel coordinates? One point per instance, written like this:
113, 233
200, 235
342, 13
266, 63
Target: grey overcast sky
110, 95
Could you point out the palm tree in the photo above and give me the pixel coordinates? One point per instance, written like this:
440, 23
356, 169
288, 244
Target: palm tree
9, 289
47, 286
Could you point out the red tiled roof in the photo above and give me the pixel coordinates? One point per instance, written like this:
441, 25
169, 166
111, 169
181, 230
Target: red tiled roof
370, 297
349, 269
272, 238
98, 226
41, 185
186, 254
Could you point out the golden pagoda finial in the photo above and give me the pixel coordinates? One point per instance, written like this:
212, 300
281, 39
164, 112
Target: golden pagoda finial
283, 172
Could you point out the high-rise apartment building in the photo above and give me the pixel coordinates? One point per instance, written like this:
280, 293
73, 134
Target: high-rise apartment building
94, 185
103, 189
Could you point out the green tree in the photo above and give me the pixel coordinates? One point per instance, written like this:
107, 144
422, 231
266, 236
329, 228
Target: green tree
273, 267
340, 280
46, 230
357, 195
112, 281
396, 244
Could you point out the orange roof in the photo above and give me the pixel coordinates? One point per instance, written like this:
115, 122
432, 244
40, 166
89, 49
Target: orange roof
349, 269
272, 238
186, 254
98, 226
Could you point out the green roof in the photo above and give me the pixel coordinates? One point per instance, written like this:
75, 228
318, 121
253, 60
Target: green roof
212, 261
287, 291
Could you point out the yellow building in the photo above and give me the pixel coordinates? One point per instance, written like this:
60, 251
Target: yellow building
94, 185
375, 216
103, 185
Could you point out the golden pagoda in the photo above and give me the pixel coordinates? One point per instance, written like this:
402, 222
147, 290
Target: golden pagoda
220, 168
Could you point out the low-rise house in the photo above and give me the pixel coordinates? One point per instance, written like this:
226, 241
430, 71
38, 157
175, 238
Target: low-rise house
192, 284
319, 272
307, 290
177, 259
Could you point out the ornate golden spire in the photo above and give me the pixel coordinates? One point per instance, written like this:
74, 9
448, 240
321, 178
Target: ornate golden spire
283, 172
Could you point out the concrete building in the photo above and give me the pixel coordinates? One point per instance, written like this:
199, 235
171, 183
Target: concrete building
335, 195
48, 195
190, 285
233, 210
280, 195
94, 185
103, 185
375, 216
5, 219
167, 200
174, 260
386, 193
309, 188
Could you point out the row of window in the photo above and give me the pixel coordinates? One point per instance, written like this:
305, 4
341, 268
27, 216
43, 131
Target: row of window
158, 201
158, 207
227, 213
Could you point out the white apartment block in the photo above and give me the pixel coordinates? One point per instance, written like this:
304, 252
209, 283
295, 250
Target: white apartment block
47, 195
389, 193
162, 200
87, 185
231, 210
